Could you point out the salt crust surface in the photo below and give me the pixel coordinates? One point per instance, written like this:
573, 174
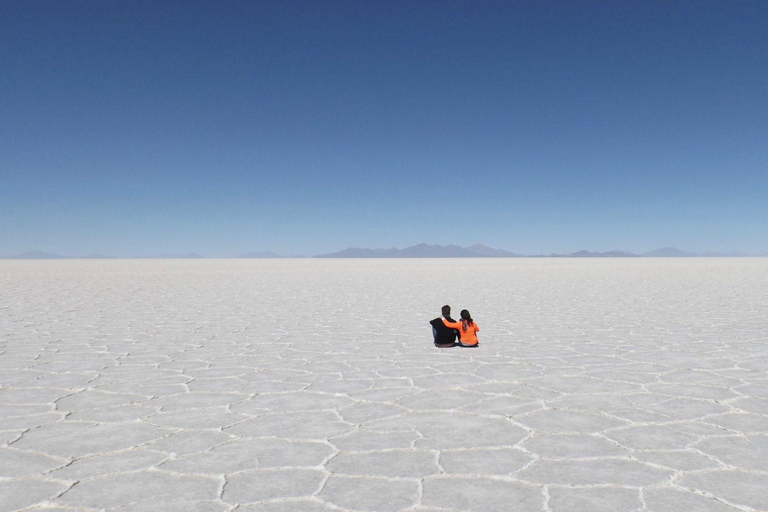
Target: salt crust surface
312, 385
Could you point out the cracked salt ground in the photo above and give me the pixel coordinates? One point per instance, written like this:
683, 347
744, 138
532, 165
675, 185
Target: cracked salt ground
312, 385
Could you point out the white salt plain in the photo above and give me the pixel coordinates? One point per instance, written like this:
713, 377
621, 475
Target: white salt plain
312, 385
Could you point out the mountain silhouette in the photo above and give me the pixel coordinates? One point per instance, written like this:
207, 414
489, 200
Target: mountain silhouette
424, 251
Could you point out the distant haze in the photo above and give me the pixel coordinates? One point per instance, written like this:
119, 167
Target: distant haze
426, 251
180, 129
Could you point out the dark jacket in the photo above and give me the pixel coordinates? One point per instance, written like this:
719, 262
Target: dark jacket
444, 335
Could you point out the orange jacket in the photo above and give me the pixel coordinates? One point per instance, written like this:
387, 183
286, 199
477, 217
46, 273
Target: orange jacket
467, 337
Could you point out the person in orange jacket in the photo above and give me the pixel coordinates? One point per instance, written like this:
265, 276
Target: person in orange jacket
467, 329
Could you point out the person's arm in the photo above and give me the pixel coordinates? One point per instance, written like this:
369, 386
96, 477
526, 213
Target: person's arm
477, 329
452, 325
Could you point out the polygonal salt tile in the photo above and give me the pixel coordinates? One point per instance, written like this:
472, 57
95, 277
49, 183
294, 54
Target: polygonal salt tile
368, 494
386, 395
501, 461
210, 418
99, 465
426, 509
211, 373
146, 389
754, 405
686, 408
572, 446
227, 458
596, 403
363, 440
583, 385
273, 386
506, 372
740, 422
62, 381
272, 375
394, 463
623, 376
283, 453
652, 437
456, 367
270, 484
361, 375
748, 452
28, 422
444, 430
311, 378
31, 395
383, 383
298, 425
596, 499
195, 400
81, 439
670, 498
292, 401
360, 413
513, 389
16, 463
678, 460
593, 360
123, 489
741, 488
755, 389
90, 399
446, 399
594, 472
481, 494
11, 373
115, 414
7, 410
699, 428
558, 421
704, 377
692, 391
222, 385
447, 381
341, 386
293, 505
173, 505
502, 406
189, 442
20, 494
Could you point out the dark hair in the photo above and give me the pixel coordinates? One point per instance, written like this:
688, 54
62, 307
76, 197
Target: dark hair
446, 310
466, 319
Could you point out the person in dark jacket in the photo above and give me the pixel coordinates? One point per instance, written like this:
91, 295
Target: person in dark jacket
444, 336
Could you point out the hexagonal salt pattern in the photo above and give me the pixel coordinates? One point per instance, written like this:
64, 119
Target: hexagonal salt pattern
312, 385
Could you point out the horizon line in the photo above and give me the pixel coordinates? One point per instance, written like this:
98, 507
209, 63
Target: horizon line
356, 252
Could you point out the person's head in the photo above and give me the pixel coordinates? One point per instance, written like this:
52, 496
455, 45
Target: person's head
466, 316
446, 311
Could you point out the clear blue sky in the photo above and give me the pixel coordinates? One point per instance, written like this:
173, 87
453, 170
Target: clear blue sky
143, 128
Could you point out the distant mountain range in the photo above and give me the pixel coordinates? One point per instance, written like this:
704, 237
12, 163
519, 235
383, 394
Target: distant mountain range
431, 251
589, 254
483, 251
424, 251
673, 252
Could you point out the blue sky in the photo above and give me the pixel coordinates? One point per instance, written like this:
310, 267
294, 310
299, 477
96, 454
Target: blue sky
147, 128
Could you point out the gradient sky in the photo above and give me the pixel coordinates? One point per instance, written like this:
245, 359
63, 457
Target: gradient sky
146, 128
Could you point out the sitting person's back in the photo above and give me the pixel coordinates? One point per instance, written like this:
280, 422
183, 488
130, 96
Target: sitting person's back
467, 328
444, 336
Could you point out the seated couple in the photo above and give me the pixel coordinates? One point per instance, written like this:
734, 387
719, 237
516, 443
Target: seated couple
445, 329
